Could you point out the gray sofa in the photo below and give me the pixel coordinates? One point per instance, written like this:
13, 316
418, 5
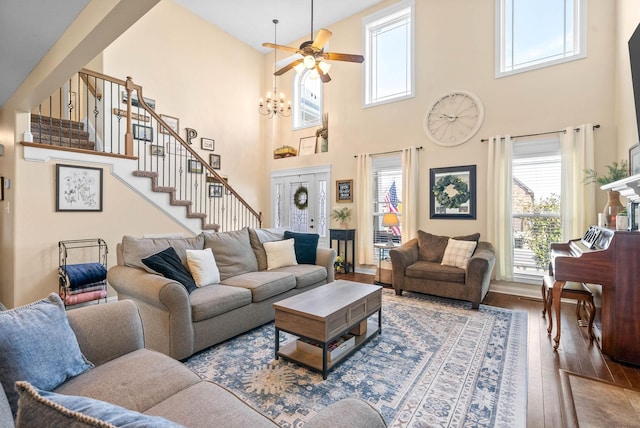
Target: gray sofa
179, 323
128, 375
417, 266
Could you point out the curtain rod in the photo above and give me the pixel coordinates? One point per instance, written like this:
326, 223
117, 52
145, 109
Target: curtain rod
484, 140
386, 153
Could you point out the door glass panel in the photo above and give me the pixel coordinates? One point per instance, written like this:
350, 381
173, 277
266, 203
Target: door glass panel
321, 226
299, 218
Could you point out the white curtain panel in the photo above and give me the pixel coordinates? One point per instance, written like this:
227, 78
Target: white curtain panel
577, 205
409, 218
499, 229
364, 210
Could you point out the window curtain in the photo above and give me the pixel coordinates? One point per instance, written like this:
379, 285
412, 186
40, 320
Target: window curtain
499, 230
577, 204
409, 218
364, 207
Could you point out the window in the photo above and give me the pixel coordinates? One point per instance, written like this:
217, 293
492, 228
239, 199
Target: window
387, 191
388, 66
307, 100
536, 169
532, 34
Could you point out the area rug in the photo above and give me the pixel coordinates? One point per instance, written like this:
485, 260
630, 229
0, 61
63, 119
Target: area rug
437, 363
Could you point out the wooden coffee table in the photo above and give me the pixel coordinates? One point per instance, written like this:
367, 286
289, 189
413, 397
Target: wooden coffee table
324, 314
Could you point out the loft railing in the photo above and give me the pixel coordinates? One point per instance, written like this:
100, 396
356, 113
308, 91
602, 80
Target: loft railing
99, 114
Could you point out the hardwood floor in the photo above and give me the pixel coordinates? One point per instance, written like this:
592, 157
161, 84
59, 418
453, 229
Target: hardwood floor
575, 354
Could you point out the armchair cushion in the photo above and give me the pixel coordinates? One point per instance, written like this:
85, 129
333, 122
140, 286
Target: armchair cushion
37, 345
167, 263
458, 253
431, 247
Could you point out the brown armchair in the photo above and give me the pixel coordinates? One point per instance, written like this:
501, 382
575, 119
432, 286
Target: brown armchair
417, 267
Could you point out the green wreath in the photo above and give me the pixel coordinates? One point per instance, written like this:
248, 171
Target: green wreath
443, 198
301, 198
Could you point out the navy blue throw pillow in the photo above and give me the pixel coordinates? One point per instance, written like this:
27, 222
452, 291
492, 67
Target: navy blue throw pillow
305, 246
167, 262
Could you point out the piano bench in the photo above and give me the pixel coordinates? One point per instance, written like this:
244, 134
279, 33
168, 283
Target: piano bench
571, 290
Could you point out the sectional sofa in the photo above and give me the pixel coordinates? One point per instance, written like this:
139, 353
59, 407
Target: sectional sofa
254, 272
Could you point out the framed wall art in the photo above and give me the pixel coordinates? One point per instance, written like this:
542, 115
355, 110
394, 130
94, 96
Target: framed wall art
135, 102
214, 161
344, 190
156, 150
142, 133
194, 166
453, 192
307, 146
215, 190
78, 188
207, 144
173, 122
634, 160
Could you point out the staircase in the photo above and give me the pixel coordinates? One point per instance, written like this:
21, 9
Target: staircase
60, 132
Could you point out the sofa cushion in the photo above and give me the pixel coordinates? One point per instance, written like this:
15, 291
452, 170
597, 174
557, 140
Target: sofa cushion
167, 263
232, 251
305, 245
259, 236
458, 253
208, 302
431, 247
36, 406
263, 285
37, 345
305, 275
135, 249
280, 253
435, 272
202, 266
137, 380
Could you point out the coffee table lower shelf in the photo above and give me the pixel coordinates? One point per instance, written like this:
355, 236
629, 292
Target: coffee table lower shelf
290, 351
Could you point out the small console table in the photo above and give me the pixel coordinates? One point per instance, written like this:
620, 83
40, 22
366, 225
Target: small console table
345, 235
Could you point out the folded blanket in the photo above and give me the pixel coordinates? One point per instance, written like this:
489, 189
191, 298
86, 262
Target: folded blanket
82, 274
94, 286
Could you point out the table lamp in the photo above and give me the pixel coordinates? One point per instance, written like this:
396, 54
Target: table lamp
390, 220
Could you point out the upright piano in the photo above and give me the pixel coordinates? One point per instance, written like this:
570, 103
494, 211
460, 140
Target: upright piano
611, 259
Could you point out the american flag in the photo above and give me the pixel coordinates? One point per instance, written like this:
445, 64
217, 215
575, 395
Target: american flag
391, 198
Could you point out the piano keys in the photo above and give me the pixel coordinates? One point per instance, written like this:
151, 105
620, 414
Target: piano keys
611, 259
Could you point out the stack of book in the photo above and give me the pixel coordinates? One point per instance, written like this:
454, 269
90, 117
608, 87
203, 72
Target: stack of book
335, 348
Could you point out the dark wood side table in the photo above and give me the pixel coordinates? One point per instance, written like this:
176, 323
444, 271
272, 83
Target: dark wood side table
345, 235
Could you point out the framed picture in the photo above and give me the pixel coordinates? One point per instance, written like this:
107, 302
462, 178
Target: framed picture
78, 188
214, 161
175, 148
634, 160
307, 146
156, 150
135, 102
207, 144
453, 192
215, 190
142, 133
194, 166
344, 190
173, 123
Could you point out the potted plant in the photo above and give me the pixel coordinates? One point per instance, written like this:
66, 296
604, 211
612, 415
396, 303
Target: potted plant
616, 171
339, 264
343, 215
622, 220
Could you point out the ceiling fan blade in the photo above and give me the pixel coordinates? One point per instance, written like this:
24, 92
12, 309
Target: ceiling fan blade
324, 77
343, 57
321, 38
287, 67
282, 47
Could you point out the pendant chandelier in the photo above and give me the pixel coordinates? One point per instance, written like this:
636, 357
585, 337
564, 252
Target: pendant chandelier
274, 105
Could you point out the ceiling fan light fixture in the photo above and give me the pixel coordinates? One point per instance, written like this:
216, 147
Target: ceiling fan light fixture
309, 61
300, 67
324, 66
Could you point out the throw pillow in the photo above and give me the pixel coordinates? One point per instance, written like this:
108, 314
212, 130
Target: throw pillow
232, 251
280, 253
168, 264
135, 249
37, 345
203, 267
458, 253
306, 245
259, 236
431, 247
37, 406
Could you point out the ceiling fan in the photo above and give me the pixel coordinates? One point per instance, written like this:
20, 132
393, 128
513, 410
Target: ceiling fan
313, 55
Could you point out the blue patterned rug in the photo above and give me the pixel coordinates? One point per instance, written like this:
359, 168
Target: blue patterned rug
437, 363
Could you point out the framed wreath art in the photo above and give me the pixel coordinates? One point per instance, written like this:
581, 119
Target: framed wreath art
301, 198
453, 192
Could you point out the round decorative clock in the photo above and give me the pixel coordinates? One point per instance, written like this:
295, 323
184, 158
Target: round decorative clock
454, 118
